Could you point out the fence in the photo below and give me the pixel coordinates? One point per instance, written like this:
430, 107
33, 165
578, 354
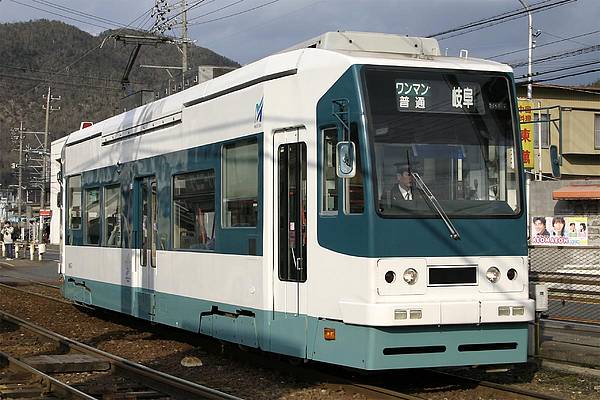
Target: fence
572, 275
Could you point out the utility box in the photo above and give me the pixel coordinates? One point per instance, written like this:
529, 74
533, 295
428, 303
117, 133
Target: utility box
541, 298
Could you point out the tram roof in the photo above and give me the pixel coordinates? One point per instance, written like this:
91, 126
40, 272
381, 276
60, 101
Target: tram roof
294, 59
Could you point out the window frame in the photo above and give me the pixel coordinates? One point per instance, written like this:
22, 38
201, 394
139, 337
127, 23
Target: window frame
105, 234
85, 190
597, 131
173, 208
322, 210
539, 124
346, 183
69, 202
249, 140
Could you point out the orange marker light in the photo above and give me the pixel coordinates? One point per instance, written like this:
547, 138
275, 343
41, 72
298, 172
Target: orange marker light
329, 334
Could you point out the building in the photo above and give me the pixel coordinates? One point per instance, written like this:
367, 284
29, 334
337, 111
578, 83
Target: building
568, 117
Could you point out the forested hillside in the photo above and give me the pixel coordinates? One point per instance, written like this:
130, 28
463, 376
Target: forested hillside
33, 52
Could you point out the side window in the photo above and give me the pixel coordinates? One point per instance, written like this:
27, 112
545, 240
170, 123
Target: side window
194, 210
354, 190
92, 216
74, 202
240, 184
597, 131
330, 179
112, 216
541, 125
73, 207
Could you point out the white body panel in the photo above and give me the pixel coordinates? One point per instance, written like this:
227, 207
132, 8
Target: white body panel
339, 287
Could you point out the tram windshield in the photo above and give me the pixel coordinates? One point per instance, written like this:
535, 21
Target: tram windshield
455, 129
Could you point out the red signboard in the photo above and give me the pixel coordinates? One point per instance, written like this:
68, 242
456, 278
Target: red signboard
45, 213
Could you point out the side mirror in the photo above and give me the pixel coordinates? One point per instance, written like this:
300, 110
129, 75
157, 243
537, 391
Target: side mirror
346, 160
554, 161
59, 199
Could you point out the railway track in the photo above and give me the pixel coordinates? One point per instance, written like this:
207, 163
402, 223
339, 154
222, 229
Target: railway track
470, 388
504, 391
127, 379
57, 298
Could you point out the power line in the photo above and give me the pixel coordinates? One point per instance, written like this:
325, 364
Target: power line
77, 12
40, 71
190, 7
26, 78
484, 20
276, 18
236, 14
88, 51
589, 71
545, 44
61, 15
561, 69
217, 10
559, 56
498, 19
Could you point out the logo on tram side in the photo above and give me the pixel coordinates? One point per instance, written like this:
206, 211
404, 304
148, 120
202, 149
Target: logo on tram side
258, 113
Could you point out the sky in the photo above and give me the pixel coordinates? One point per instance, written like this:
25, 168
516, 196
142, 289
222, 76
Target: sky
247, 30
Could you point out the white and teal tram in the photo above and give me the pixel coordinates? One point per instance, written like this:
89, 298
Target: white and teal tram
260, 207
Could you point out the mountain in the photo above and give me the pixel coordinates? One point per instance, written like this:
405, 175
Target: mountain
84, 70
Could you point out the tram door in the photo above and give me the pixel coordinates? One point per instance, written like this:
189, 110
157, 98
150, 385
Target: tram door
146, 228
290, 241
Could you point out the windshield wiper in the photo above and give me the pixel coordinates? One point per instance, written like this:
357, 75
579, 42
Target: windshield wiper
435, 205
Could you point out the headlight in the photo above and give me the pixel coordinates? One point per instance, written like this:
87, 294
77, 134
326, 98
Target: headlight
410, 276
493, 274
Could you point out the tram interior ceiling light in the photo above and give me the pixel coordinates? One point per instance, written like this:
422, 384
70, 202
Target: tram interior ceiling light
410, 276
493, 274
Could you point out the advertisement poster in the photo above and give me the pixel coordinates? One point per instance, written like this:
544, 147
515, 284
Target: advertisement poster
526, 124
559, 231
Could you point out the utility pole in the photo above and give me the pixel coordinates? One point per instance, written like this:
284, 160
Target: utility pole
49, 108
19, 197
184, 39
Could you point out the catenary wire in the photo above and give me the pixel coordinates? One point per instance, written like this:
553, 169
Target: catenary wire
236, 14
77, 12
500, 17
545, 44
506, 19
589, 71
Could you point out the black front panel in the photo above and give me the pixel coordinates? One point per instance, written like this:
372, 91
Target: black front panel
452, 275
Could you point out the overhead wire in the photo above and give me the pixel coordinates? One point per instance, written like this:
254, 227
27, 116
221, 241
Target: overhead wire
188, 8
545, 44
558, 56
77, 12
216, 11
500, 17
86, 53
560, 69
277, 18
562, 76
522, 14
60, 15
236, 13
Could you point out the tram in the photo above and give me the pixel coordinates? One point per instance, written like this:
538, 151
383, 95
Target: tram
357, 199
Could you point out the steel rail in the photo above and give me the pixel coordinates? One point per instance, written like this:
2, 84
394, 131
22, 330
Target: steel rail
51, 385
60, 300
31, 281
157, 380
498, 386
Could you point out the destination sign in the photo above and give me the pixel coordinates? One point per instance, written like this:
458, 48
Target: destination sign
439, 97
